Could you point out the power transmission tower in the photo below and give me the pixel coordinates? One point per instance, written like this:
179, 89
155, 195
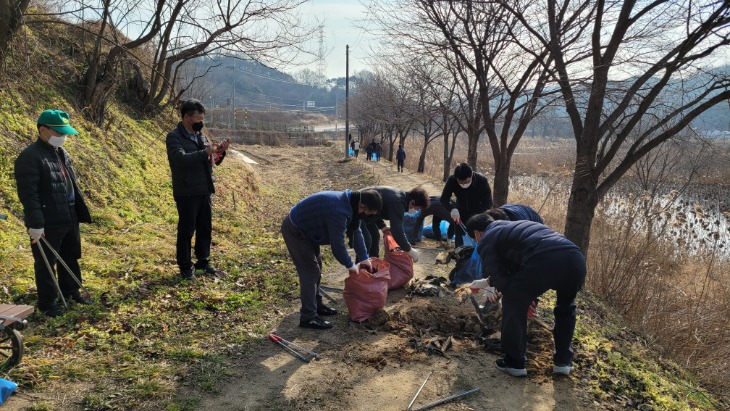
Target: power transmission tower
321, 63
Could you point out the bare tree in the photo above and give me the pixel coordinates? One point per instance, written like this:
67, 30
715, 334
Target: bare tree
11, 15
662, 49
479, 38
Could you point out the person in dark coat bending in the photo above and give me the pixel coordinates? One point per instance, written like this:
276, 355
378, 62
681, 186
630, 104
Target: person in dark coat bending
439, 213
325, 218
395, 203
473, 196
524, 259
515, 212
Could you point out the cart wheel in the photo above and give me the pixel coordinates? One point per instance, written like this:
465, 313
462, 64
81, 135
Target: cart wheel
11, 348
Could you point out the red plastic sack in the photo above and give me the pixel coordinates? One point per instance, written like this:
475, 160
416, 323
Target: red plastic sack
401, 264
365, 293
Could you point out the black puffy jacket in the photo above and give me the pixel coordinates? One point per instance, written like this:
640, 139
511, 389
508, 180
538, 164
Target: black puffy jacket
42, 190
192, 173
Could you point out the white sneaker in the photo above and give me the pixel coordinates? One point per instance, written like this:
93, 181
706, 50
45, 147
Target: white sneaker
562, 369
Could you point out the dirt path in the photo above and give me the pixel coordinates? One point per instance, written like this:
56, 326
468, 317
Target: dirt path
380, 369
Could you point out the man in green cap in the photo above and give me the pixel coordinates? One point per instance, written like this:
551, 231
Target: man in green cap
53, 207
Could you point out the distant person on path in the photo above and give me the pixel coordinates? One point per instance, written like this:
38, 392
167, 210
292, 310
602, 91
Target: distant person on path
400, 157
395, 203
439, 213
356, 147
192, 157
473, 196
379, 151
369, 152
53, 207
325, 218
524, 259
514, 212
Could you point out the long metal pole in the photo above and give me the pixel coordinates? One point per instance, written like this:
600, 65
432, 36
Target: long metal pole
410, 404
447, 399
347, 101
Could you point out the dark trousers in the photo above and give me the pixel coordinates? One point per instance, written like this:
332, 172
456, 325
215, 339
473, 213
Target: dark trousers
195, 214
307, 259
66, 240
356, 152
400, 165
563, 271
371, 235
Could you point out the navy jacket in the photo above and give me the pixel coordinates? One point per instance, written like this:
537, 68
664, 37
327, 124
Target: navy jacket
400, 155
42, 188
192, 173
475, 199
506, 246
517, 212
395, 204
324, 217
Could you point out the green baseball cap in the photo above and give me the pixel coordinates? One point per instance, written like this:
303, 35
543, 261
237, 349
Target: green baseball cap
57, 120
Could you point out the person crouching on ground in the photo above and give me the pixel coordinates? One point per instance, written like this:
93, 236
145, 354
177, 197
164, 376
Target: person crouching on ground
514, 212
325, 218
523, 260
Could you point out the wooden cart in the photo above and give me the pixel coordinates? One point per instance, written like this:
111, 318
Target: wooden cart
12, 321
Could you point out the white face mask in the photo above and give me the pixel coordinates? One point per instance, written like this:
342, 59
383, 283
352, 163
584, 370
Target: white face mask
465, 185
57, 141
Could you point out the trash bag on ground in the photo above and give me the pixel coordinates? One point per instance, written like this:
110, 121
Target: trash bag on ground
7, 388
468, 266
401, 264
365, 293
443, 226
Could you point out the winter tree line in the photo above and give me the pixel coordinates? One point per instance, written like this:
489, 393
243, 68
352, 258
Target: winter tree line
627, 76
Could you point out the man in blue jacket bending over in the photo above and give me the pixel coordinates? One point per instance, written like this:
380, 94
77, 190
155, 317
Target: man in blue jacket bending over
523, 260
514, 212
325, 218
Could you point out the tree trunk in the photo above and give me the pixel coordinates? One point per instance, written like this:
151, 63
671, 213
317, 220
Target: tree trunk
581, 207
471, 157
11, 17
447, 158
500, 190
422, 160
103, 87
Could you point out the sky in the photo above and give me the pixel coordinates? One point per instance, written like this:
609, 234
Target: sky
340, 29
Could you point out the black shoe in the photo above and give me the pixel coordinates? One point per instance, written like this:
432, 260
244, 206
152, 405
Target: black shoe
208, 270
324, 310
76, 296
317, 324
52, 310
504, 365
187, 274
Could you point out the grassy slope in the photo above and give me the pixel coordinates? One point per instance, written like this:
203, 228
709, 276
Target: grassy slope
151, 333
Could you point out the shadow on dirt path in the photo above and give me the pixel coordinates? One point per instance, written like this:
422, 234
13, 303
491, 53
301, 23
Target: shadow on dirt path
382, 368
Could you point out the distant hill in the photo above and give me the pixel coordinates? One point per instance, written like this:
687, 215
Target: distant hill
257, 87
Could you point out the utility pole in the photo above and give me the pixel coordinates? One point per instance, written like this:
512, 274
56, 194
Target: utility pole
347, 101
233, 101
